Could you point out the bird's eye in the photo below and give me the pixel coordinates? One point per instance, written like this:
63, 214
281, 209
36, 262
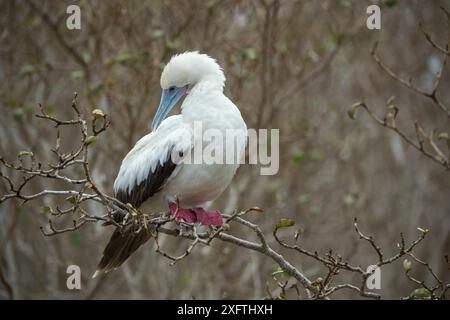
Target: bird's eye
172, 88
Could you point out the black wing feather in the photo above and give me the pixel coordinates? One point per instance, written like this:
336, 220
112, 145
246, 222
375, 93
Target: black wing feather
125, 241
148, 187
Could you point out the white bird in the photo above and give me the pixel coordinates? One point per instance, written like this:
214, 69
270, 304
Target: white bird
150, 179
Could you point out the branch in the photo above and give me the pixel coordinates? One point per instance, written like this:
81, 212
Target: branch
388, 121
83, 189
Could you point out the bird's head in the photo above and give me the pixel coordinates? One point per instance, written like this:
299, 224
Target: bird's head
180, 75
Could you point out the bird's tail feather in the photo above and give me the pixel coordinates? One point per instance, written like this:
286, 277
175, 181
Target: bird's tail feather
122, 244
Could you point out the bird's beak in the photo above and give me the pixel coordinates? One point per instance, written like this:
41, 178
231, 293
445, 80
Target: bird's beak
169, 98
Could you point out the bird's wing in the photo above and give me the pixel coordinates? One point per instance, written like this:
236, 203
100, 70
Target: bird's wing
144, 171
149, 165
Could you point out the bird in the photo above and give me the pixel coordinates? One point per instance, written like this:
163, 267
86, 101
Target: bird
152, 179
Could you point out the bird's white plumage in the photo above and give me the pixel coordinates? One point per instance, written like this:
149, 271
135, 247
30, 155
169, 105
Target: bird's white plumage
153, 149
191, 184
192, 68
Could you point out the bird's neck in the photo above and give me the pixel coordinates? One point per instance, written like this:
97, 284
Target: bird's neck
204, 102
207, 85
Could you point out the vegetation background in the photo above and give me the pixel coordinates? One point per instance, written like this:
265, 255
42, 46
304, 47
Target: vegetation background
293, 65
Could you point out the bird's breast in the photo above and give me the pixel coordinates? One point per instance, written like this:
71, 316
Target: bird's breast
223, 138
196, 184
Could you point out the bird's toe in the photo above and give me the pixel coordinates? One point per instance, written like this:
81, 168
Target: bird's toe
208, 218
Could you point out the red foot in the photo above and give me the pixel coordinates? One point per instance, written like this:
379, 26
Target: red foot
206, 218
187, 215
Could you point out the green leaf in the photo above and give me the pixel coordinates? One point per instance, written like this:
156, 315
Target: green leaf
109, 61
304, 199
173, 44
156, 34
297, 157
420, 293
25, 153
423, 230
71, 199
75, 239
90, 139
330, 41
78, 74
390, 3
145, 55
318, 281
11, 103
26, 69
314, 210
407, 264
18, 113
285, 223
390, 101
315, 155
125, 56
351, 198
443, 136
283, 271
281, 296
44, 209
300, 231
98, 113
250, 53
96, 87
392, 109
352, 110
86, 56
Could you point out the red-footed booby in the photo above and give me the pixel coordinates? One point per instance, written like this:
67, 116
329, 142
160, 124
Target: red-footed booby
149, 177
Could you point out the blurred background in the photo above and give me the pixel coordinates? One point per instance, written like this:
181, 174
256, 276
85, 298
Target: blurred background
292, 65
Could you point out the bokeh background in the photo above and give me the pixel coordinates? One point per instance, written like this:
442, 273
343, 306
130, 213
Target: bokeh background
292, 65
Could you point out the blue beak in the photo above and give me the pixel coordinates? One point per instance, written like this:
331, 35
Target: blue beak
169, 99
